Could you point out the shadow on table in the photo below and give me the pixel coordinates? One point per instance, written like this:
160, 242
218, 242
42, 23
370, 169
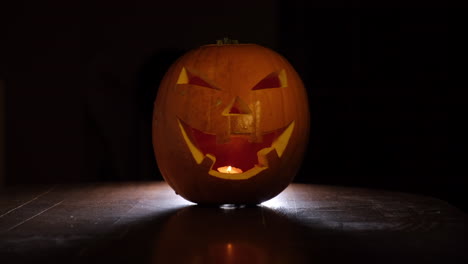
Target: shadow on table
195, 234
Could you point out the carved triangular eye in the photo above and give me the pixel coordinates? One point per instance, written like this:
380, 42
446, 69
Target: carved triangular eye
237, 107
188, 77
272, 80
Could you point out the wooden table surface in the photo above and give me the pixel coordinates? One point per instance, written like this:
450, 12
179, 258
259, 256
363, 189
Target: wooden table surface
146, 222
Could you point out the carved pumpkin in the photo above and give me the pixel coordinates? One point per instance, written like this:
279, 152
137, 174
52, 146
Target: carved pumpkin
230, 124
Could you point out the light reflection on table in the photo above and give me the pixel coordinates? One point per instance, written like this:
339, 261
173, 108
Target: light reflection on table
146, 222
213, 235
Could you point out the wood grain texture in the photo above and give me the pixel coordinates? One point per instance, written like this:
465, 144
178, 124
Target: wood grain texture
146, 222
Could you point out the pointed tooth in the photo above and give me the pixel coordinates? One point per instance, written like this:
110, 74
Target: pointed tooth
282, 141
267, 157
208, 161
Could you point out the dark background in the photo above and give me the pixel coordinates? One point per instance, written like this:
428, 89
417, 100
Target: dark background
385, 100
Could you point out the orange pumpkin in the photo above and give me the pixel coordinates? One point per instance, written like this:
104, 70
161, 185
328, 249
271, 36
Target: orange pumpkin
230, 124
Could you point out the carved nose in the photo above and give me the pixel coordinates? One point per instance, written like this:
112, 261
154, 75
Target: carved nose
239, 116
237, 107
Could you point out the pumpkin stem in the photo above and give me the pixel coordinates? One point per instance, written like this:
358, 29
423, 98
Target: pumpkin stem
227, 41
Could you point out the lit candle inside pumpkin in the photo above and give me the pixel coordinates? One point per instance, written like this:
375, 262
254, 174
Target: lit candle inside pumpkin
229, 169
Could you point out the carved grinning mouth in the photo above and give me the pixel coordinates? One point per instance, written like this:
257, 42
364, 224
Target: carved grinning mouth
251, 157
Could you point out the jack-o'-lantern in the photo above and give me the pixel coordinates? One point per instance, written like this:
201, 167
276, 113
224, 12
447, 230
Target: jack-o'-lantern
230, 124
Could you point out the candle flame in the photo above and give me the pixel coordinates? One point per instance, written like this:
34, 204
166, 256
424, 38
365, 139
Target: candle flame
229, 170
